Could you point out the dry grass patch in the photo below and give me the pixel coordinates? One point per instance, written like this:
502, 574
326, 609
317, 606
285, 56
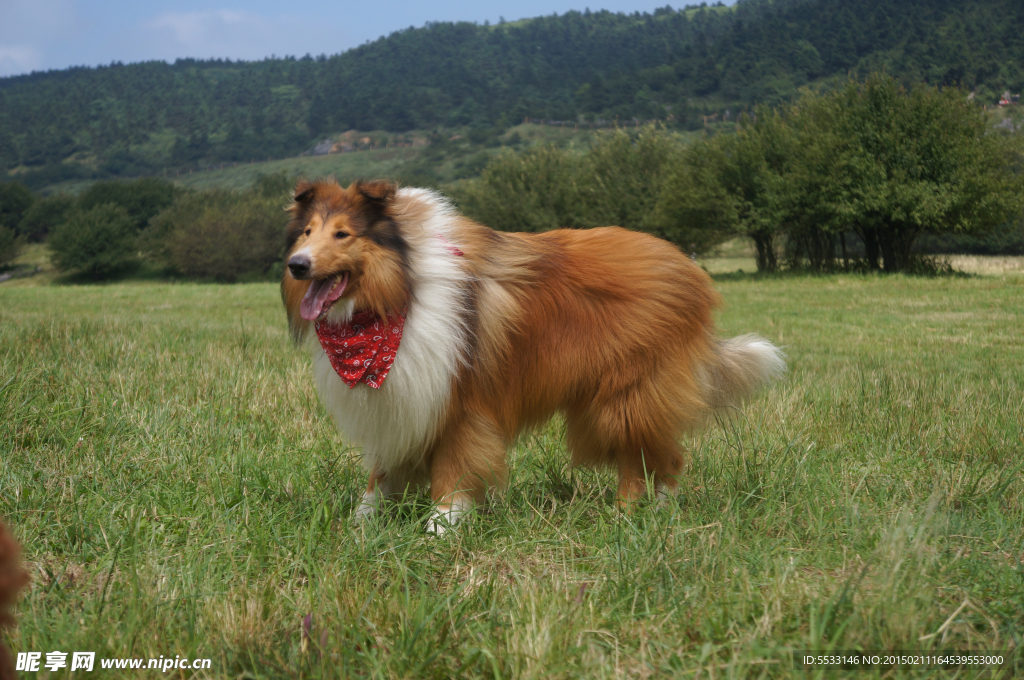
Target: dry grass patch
988, 265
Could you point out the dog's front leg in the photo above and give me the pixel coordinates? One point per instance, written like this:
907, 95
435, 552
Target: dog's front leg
371, 497
387, 486
448, 512
469, 457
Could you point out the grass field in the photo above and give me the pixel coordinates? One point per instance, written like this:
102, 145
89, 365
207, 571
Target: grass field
237, 176
180, 491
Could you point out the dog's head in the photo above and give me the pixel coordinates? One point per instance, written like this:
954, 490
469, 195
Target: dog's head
344, 244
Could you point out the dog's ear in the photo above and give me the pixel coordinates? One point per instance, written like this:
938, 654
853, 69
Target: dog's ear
377, 195
377, 222
302, 197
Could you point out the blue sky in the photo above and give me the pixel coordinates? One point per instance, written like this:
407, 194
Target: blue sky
53, 34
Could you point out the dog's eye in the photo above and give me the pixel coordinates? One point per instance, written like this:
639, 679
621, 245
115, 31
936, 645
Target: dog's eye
307, 231
340, 234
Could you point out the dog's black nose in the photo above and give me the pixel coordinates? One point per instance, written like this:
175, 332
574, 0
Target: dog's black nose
299, 266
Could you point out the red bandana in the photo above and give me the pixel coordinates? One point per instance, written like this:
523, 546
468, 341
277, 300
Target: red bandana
363, 349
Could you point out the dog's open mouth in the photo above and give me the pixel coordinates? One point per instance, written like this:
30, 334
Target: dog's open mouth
321, 295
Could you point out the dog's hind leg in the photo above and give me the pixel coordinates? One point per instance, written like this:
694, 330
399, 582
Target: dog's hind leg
585, 443
641, 443
670, 465
645, 459
468, 458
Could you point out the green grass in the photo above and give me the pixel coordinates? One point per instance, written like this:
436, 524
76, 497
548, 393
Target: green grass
179, 491
444, 161
447, 160
346, 167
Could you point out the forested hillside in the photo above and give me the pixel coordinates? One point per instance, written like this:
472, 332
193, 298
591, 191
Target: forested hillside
673, 65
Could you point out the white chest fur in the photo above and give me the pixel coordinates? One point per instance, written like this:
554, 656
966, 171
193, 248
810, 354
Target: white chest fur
395, 424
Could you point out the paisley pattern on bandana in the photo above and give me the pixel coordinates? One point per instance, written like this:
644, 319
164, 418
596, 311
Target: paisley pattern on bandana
363, 349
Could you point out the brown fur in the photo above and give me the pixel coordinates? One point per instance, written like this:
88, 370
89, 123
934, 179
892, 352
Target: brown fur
611, 345
610, 327
12, 579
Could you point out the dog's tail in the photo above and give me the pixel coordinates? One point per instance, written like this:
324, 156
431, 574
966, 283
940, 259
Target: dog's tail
738, 367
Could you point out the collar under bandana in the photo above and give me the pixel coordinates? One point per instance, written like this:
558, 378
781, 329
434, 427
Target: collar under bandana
363, 349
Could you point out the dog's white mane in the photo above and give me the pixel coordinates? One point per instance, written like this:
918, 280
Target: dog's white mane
395, 423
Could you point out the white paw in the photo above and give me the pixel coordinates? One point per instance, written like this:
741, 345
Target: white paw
367, 507
438, 527
445, 517
666, 494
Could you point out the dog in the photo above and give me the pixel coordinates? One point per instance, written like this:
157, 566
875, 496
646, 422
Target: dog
436, 341
12, 579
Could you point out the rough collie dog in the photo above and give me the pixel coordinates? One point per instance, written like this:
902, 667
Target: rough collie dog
436, 341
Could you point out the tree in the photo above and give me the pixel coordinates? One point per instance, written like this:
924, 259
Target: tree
904, 163
616, 182
531, 191
15, 201
740, 184
873, 158
97, 242
620, 178
598, 65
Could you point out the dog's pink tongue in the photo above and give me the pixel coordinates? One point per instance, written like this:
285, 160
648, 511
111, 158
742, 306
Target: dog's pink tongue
321, 294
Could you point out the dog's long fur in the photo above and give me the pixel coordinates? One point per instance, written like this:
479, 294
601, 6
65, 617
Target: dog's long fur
12, 579
610, 327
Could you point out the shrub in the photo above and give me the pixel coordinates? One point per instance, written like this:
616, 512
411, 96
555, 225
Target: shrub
219, 235
10, 245
531, 191
141, 198
616, 182
45, 216
275, 185
1007, 239
15, 200
96, 242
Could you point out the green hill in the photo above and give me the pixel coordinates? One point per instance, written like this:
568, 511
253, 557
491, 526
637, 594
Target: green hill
677, 66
